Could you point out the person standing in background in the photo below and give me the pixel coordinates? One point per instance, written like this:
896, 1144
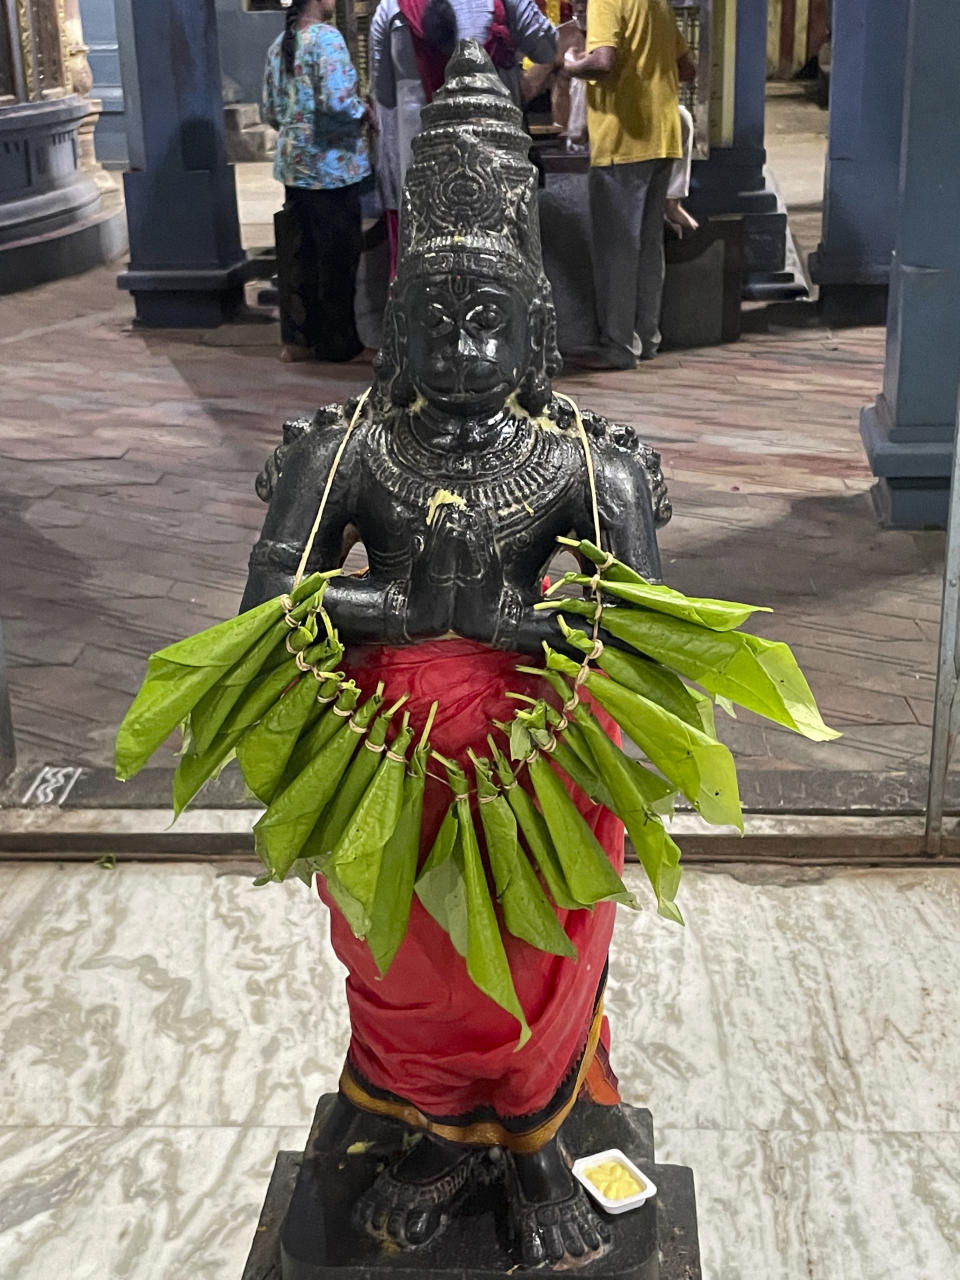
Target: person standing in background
635, 58
310, 97
410, 44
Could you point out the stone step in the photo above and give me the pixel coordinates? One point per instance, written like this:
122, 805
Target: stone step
240, 115
257, 142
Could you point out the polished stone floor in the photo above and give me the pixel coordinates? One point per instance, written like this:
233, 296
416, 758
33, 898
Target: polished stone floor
164, 1031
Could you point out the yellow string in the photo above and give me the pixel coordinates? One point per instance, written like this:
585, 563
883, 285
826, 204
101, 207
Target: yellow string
588, 455
595, 580
327, 487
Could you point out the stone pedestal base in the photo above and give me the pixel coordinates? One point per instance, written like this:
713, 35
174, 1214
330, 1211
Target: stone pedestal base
305, 1231
913, 486
53, 220
735, 181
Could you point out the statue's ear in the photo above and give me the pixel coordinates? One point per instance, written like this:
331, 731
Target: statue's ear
392, 375
535, 390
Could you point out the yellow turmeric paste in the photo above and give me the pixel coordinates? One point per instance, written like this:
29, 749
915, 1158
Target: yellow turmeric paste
614, 1180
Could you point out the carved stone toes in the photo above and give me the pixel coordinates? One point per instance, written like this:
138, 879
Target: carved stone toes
412, 1214
564, 1234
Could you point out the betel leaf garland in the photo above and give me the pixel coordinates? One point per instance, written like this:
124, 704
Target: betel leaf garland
344, 792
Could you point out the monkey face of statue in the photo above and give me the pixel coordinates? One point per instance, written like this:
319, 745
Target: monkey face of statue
466, 341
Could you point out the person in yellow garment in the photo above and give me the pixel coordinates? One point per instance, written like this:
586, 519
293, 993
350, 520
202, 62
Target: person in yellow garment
634, 62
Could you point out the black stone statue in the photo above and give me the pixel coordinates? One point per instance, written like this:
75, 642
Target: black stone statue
458, 476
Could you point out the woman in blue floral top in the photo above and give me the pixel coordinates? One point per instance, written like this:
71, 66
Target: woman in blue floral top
310, 97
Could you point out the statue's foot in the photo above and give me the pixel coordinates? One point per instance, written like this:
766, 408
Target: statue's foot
552, 1223
410, 1203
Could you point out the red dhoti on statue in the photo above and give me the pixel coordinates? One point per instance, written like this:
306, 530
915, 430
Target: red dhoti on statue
428, 1047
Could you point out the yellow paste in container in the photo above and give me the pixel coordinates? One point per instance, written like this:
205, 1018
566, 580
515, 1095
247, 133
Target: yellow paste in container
614, 1180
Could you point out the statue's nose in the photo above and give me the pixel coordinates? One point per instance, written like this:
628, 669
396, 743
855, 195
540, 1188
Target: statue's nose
466, 345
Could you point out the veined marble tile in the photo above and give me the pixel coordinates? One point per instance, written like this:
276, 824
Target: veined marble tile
164, 995
792, 1000
133, 1204
823, 1206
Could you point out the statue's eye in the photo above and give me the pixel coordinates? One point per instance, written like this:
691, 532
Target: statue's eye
437, 319
486, 317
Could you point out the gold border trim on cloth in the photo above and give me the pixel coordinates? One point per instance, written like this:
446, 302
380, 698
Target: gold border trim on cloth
485, 1133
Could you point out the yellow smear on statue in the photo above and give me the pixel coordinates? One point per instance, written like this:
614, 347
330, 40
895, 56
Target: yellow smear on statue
517, 409
613, 1180
443, 498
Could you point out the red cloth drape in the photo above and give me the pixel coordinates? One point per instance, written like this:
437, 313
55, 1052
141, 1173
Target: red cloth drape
424, 1032
432, 64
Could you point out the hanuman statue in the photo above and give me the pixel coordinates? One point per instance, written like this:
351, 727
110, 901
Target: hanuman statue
458, 479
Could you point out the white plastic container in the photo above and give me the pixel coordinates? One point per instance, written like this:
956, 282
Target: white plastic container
583, 1167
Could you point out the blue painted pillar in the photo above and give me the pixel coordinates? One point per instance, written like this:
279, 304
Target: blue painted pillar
852, 262
733, 180
187, 266
908, 432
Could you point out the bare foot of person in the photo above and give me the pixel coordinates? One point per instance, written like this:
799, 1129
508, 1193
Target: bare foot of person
552, 1222
410, 1203
681, 221
291, 353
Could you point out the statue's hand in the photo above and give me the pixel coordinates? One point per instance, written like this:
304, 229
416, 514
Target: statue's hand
430, 598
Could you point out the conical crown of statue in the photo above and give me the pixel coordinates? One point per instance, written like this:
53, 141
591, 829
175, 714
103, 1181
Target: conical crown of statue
470, 197
470, 210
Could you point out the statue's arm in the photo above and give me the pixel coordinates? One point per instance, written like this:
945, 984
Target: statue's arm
292, 482
626, 496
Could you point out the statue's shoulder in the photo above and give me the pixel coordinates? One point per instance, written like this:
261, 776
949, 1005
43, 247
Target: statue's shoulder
308, 444
618, 448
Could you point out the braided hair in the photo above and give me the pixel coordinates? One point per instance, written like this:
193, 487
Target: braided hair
289, 46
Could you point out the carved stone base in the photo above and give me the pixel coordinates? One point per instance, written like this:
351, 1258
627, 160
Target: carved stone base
305, 1231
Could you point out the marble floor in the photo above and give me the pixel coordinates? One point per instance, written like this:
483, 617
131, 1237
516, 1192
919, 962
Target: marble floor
164, 1031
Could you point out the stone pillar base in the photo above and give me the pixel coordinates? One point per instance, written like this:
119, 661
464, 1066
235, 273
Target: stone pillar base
200, 298
851, 291
913, 485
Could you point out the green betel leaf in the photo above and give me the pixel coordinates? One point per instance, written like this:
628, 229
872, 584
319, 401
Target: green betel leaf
196, 768
701, 767
717, 615
262, 663
657, 852
165, 700
398, 870
441, 886
357, 857
355, 782
319, 734
580, 772
620, 580
292, 816
265, 749
526, 911
761, 675
658, 794
535, 834
641, 675
487, 962
224, 644
587, 869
